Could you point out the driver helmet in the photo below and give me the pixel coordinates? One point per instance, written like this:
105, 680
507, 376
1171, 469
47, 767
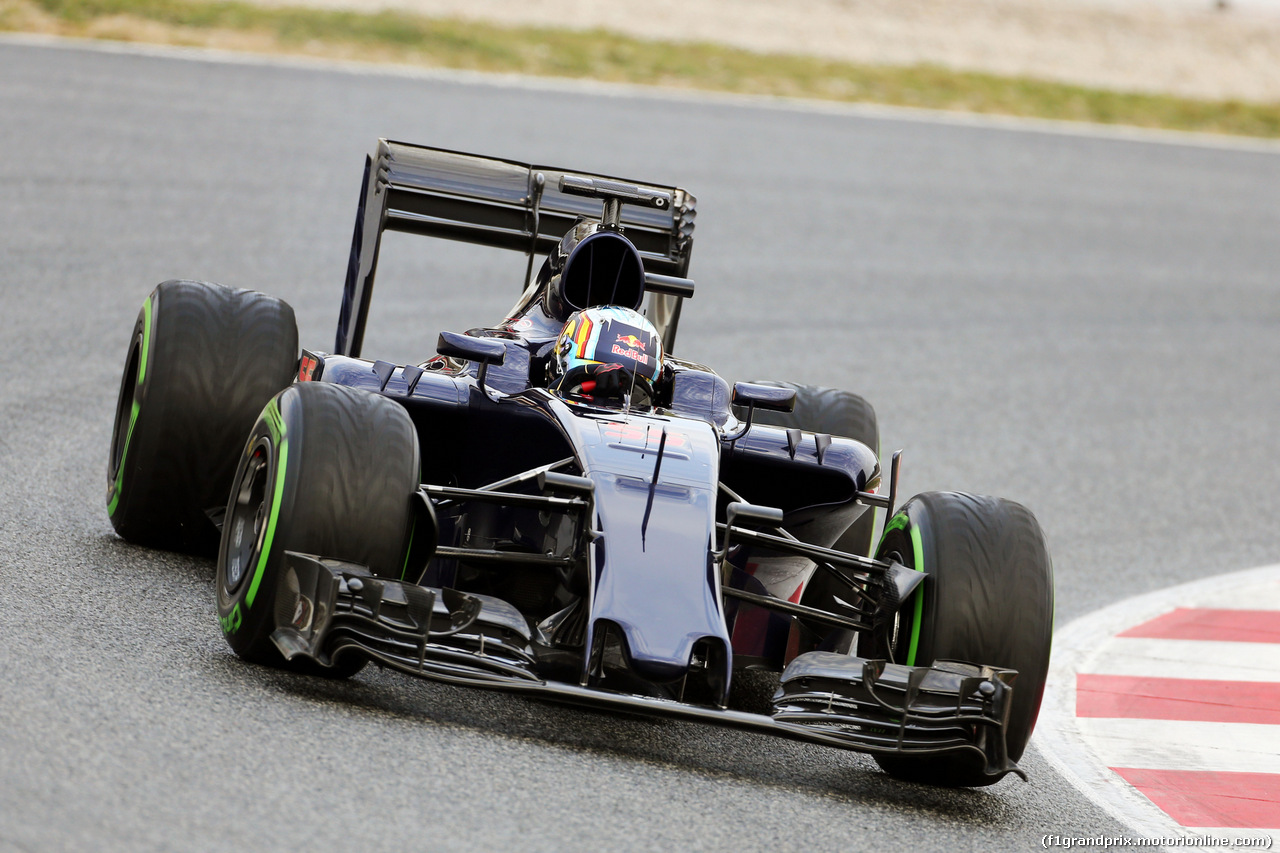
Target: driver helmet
607, 352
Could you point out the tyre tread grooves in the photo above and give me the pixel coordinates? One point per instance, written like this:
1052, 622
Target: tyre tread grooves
217, 355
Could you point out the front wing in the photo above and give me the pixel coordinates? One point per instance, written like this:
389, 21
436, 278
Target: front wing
326, 609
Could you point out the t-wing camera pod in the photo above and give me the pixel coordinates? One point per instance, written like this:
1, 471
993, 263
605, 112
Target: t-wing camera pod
614, 193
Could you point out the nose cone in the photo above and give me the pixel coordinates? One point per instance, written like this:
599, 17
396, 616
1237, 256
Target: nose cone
654, 575
655, 582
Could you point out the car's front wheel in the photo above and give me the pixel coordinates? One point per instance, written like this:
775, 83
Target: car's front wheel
329, 471
987, 599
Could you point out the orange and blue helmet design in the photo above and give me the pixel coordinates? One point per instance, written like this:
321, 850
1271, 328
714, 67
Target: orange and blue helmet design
608, 334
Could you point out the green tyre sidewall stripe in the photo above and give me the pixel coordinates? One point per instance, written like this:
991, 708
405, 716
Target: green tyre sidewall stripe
146, 342
139, 390
280, 444
246, 616
118, 487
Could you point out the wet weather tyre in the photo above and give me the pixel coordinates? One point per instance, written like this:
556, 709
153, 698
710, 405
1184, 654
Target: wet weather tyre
203, 359
988, 599
835, 412
327, 470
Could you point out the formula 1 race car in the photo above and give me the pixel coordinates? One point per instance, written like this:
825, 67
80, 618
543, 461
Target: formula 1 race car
559, 506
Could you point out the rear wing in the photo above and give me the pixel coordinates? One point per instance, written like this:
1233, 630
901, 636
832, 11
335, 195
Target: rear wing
492, 202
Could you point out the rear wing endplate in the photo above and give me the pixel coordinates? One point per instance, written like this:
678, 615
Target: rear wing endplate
491, 202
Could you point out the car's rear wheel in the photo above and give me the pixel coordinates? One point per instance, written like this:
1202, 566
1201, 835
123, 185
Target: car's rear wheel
202, 361
988, 599
327, 470
840, 413
835, 412
843, 413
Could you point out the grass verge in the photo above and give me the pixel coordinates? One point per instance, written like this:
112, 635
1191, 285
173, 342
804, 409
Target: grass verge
390, 36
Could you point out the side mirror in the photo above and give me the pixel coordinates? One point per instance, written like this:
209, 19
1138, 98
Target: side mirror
764, 397
760, 396
483, 351
479, 350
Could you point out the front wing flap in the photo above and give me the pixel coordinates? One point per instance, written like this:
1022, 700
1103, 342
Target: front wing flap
909, 710
327, 608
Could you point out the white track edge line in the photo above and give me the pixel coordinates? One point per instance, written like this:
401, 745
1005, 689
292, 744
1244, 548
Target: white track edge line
882, 112
1056, 737
1174, 745
1196, 660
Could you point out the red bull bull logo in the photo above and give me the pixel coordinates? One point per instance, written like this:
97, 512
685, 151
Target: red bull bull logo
630, 340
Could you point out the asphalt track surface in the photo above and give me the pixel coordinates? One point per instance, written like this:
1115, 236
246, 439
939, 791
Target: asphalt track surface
1088, 325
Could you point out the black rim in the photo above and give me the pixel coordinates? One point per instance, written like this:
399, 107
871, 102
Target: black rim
247, 521
124, 409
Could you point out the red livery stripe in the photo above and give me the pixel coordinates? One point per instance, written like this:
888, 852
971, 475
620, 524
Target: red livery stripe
1232, 626
1208, 798
1177, 699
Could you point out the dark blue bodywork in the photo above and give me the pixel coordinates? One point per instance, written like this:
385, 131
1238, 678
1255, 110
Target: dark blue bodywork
655, 579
